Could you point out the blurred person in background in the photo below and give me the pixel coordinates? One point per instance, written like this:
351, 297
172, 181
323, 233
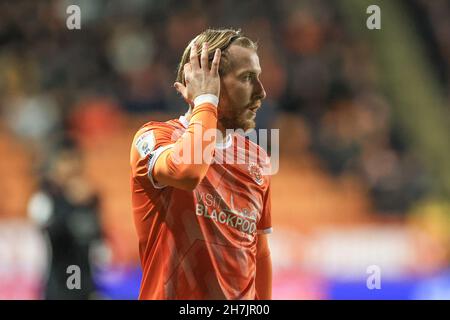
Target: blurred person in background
66, 208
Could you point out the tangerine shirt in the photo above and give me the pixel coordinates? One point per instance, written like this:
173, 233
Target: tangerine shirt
201, 243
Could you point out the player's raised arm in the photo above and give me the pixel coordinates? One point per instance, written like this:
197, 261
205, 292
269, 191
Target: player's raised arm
201, 91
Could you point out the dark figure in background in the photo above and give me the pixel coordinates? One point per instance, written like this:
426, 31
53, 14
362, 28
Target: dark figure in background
66, 207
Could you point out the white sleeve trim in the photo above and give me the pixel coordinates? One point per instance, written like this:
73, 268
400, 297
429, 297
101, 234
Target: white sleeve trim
206, 98
265, 231
153, 157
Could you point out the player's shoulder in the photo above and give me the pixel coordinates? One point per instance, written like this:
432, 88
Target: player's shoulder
154, 134
160, 127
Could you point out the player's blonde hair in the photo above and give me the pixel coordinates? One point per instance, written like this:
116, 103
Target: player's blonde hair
216, 38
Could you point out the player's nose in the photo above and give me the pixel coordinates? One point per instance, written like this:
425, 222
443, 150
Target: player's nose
259, 93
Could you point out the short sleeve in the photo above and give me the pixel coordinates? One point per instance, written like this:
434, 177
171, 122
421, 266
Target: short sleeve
265, 222
148, 143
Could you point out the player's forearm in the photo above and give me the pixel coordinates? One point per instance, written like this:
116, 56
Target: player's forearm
264, 277
194, 150
186, 164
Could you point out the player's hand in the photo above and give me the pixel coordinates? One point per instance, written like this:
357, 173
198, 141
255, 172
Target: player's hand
199, 78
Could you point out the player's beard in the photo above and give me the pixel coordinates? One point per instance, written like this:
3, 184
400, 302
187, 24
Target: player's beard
237, 119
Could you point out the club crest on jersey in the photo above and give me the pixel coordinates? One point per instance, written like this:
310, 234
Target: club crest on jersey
256, 173
145, 143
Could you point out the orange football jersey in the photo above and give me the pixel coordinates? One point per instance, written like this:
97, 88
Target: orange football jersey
199, 244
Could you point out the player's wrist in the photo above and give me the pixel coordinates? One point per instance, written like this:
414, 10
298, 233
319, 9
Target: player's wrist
206, 98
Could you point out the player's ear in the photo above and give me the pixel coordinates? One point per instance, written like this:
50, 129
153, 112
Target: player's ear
183, 91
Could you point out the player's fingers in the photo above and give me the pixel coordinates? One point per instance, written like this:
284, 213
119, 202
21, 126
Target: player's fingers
216, 62
187, 69
193, 58
204, 57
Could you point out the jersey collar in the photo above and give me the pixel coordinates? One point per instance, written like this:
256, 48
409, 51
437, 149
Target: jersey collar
184, 121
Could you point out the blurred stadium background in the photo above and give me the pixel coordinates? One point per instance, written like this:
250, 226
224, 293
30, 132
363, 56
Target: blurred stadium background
364, 173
